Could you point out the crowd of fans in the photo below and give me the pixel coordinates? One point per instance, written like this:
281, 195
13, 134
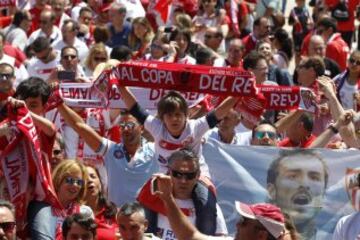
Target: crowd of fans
102, 161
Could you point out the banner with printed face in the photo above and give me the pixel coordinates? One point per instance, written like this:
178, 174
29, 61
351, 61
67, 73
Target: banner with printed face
315, 187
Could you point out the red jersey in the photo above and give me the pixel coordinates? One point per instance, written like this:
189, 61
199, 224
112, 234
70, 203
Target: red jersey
288, 143
250, 43
16, 53
106, 228
349, 25
337, 50
305, 44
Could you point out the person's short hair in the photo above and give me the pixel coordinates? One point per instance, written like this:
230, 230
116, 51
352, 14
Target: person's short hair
101, 34
184, 155
85, 9
121, 53
258, 21
273, 171
327, 22
4, 65
307, 120
8, 205
121, 8
65, 168
33, 87
84, 221
68, 47
251, 60
40, 44
75, 25
170, 103
315, 62
20, 16
52, 13
128, 209
203, 55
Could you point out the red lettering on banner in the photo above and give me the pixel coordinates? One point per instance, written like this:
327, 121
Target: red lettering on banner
215, 83
283, 100
155, 94
14, 174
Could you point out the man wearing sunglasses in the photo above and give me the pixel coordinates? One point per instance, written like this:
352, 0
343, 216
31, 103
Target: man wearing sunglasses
264, 135
7, 221
191, 195
45, 60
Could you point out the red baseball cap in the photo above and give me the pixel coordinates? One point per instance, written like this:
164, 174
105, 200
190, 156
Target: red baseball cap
270, 216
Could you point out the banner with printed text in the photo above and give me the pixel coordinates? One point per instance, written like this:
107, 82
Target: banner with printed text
315, 187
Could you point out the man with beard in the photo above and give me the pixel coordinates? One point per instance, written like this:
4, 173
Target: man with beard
128, 164
7, 221
296, 182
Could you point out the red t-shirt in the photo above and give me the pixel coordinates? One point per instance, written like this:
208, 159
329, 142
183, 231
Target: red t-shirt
250, 43
337, 50
348, 25
16, 53
305, 44
287, 143
107, 228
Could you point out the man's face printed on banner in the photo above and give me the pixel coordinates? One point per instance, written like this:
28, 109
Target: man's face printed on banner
299, 187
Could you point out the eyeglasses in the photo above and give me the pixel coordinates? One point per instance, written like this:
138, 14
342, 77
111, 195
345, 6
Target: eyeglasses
180, 175
69, 57
7, 226
73, 181
100, 59
6, 76
354, 62
129, 125
261, 135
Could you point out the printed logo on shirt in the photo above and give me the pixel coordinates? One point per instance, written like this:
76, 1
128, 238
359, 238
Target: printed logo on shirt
119, 154
169, 146
166, 234
45, 71
162, 160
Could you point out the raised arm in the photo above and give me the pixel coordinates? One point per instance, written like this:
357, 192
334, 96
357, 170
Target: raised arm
90, 136
224, 107
179, 223
45, 125
288, 121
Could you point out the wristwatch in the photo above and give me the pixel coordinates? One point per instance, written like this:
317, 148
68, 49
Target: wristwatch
333, 129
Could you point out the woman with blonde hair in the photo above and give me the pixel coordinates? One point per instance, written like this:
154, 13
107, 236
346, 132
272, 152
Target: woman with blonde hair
97, 54
140, 37
70, 184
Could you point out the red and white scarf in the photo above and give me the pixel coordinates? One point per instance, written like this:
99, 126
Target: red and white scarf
21, 161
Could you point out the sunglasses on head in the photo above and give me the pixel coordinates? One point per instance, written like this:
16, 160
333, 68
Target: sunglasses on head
354, 62
261, 135
130, 125
73, 181
187, 176
7, 226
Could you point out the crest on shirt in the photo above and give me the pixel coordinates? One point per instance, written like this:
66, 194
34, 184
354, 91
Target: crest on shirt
118, 153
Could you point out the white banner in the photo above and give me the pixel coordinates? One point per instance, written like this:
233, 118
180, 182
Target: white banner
310, 185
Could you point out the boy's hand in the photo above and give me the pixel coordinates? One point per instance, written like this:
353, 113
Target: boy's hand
16, 103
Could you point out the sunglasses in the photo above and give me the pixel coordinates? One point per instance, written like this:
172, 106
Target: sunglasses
354, 62
100, 59
7, 226
73, 181
6, 76
180, 175
261, 135
69, 57
129, 125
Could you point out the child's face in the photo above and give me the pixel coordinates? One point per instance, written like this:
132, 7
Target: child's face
175, 122
35, 105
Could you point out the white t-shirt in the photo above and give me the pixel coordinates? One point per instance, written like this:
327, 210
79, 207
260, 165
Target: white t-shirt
186, 60
166, 232
134, 8
242, 139
346, 95
37, 68
348, 227
165, 144
81, 47
56, 35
